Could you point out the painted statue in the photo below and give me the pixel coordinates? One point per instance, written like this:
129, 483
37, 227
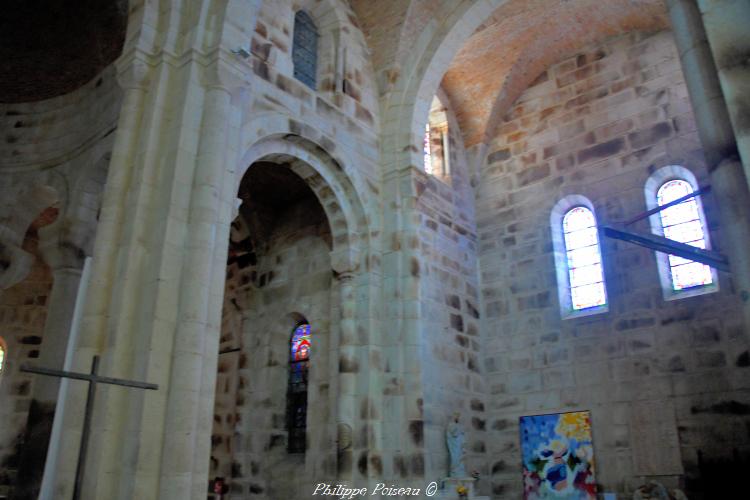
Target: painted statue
455, 438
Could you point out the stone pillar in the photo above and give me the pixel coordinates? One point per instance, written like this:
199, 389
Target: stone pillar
348, 375
190, 401
730, 187
727, 24
135, 86
66, 263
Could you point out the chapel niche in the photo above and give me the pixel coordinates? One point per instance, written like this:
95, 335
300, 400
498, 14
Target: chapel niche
273, 402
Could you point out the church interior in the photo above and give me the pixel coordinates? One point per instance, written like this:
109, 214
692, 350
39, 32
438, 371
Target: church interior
254, 249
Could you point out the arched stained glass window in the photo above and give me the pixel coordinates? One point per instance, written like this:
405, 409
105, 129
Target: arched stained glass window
586, 278
2, 355
427, 149
682, 222
305, 49
299, 364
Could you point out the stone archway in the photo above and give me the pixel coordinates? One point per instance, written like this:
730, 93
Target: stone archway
328, 180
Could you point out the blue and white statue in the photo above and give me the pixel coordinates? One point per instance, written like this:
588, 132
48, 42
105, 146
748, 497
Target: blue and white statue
455, 438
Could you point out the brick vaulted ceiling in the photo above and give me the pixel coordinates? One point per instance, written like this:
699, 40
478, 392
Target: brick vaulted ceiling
511, 48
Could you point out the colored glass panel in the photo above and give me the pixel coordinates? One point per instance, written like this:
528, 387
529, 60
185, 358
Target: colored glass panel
427, 150
305, 49
682, 223
584, 259
299, 364
301, 343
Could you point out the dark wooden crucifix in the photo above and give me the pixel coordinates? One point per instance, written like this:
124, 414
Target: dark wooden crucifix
92, 378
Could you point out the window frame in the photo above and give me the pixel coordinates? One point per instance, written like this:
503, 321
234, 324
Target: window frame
562, 267
309, 22
651, 190
4, 360
291, 396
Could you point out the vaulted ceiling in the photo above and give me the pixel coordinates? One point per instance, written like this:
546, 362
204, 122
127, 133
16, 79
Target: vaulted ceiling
508, 51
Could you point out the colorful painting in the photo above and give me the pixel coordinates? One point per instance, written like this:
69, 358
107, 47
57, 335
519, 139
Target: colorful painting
558, 456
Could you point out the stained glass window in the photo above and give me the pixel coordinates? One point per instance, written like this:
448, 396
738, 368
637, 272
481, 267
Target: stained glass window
305, 49
584, 259
682, 223
427, 150
299, 364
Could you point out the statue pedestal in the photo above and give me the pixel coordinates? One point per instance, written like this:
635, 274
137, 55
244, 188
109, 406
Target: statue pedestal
450, 486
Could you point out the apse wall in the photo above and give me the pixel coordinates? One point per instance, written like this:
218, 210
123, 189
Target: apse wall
23, 311
663, 379
291, 279
55, 153
450, 344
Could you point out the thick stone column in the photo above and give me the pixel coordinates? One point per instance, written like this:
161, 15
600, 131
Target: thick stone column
727, 24
730, 187
348, 375
66, 263
135, 82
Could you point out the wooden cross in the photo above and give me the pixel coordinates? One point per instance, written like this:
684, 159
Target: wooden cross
92, 378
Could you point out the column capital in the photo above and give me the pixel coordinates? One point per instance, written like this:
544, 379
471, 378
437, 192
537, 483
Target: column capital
65, 243
223, 73
344, 260
133, 69
344, 276
15, 264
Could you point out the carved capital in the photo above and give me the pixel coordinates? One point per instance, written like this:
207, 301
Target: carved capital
224, 74
15, 264
345, 261
133, 71
66, 243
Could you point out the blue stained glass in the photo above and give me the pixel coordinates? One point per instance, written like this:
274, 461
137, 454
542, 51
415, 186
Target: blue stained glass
682, 223
584, 259
301, 343
299, 364
305, 49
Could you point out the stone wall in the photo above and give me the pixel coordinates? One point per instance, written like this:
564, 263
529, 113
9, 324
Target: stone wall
449, 356
290, 280
23, 310
598, 124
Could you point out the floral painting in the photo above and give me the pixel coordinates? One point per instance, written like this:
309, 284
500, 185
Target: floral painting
558, 456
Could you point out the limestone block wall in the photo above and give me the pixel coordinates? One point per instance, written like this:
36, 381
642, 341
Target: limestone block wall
291, 279
341, 114
53, 153
449, 355
23, 310
598, 124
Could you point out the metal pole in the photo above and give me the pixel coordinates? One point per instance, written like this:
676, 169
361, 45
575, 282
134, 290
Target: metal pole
85, 433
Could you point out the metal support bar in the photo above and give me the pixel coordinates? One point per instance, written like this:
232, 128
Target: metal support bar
665, 245
658, 209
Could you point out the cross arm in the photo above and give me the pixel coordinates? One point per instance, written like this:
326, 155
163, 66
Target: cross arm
88, 377
665, 245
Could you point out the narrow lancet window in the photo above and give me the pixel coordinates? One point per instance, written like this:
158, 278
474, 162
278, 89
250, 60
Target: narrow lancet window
586, 278
427, 150
682, 222
299, 364
305, 49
